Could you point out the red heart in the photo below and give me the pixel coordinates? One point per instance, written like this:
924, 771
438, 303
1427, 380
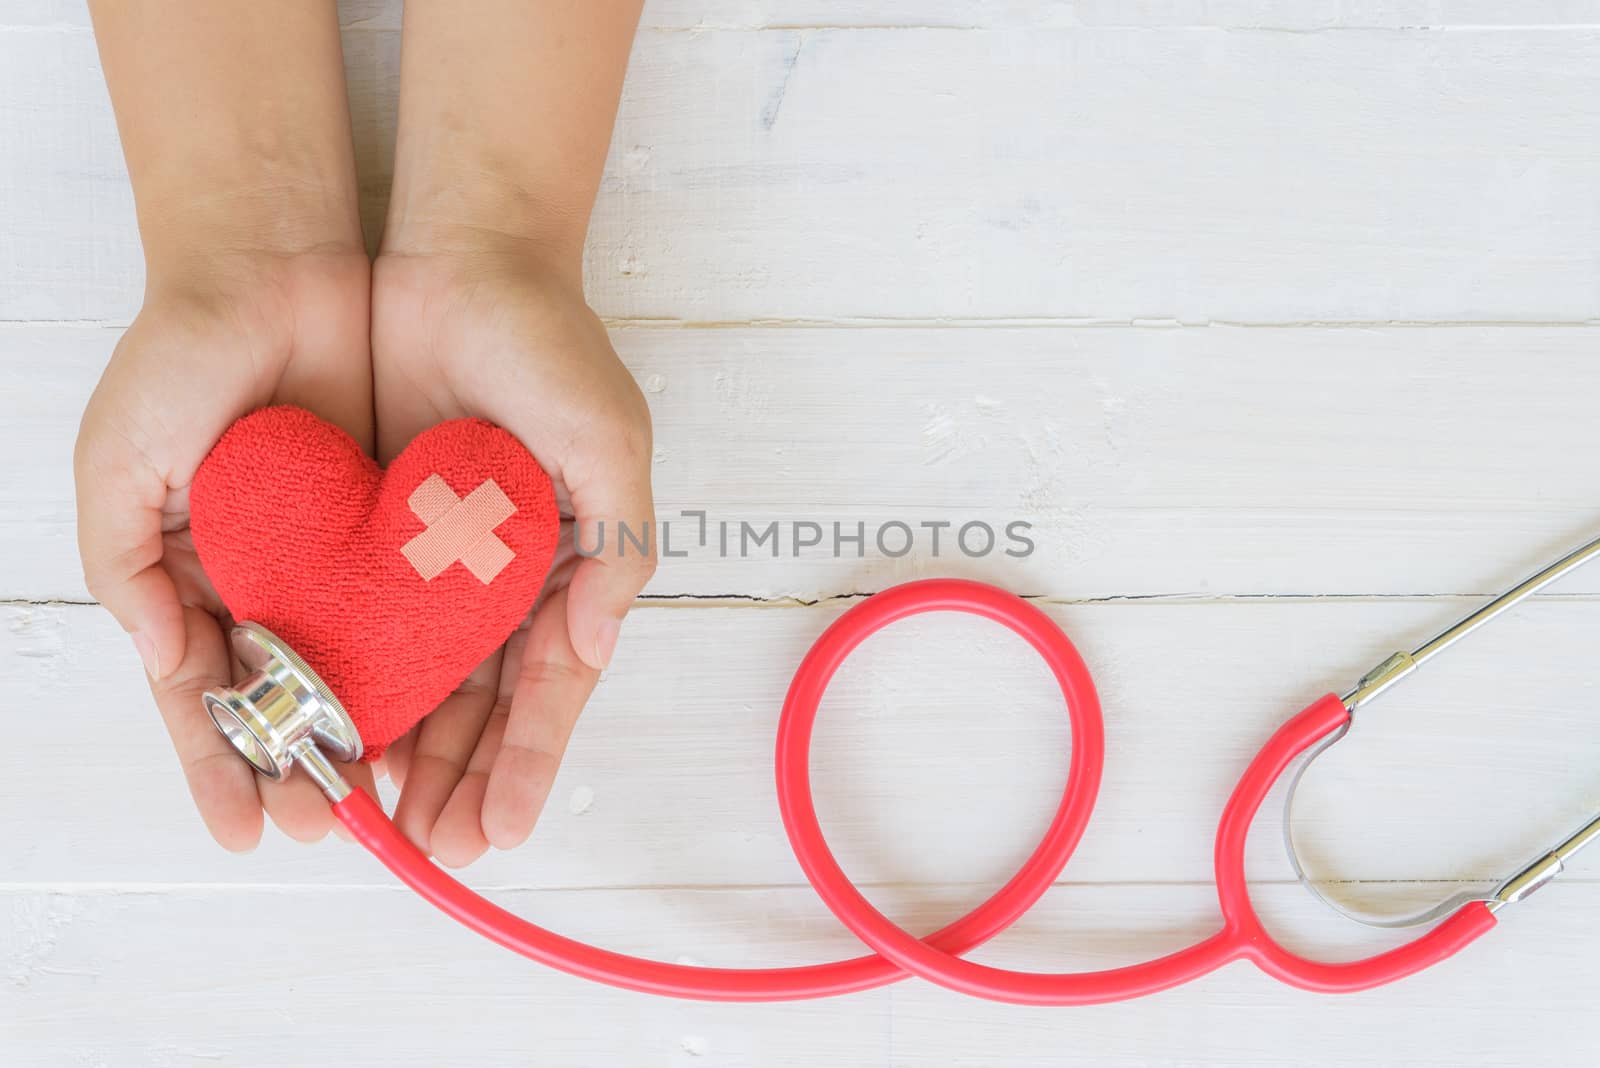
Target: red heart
302, 532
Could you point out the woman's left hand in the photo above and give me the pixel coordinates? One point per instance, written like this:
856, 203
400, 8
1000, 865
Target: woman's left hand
504, 337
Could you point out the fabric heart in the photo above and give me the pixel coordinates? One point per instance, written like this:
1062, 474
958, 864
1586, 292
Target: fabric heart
392, 584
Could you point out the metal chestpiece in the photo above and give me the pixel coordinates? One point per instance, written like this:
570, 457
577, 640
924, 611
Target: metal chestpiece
282, 713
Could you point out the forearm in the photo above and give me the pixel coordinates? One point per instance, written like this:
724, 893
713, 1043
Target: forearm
506, 110
235, 127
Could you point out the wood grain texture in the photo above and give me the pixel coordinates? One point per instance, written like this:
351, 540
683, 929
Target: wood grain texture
1150, 462
925, 261
940, 754
695, 15
1107, 173
373, 978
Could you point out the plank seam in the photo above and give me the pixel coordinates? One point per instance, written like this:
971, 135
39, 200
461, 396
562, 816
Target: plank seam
740, 600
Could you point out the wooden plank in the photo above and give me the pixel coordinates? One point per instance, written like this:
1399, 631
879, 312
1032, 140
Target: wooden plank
1302, 15
361, 15
1210, 462
851, 165
347, 977
67, 231
822, 174
939, 755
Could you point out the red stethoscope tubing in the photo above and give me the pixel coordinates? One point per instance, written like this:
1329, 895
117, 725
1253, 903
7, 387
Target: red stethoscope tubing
937, 957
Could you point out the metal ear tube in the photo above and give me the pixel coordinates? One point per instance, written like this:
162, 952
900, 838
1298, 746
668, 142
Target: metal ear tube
1379, 681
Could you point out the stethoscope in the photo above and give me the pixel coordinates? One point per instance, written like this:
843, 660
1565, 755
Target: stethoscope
282, 715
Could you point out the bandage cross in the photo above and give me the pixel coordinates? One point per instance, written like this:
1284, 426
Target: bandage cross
459, 529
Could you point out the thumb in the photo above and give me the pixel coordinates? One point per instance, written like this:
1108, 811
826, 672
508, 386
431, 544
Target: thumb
120, 495
616, 516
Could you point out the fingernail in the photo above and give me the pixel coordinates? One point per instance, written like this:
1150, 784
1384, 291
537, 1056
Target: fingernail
605, 641
147, 653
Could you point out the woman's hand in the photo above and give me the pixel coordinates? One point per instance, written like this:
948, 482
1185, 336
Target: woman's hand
239, 332
477, 309
498, 334
237, 137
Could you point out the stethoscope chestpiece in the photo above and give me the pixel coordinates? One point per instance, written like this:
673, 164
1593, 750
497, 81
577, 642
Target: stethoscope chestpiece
282, 713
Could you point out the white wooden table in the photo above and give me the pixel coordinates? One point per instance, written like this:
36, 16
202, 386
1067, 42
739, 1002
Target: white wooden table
1279, 322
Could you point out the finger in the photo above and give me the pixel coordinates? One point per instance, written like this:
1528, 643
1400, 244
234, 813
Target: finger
297, 807
438, 760
120, 495
551, 685
460, 825
362, 777
221, 784
397, 758
605, 583
459, 831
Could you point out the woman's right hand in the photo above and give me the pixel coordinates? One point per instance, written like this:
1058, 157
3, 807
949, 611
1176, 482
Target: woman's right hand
235, 333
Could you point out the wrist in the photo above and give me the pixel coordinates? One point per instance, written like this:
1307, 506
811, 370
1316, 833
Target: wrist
312, 303
261, 220
214, 266
484, 210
